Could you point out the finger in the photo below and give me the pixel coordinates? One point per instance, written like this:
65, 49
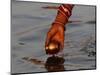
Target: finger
61, 44
59, 37
50, 35
62, 35
62, 41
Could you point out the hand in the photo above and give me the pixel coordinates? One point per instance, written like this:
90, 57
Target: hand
56, 33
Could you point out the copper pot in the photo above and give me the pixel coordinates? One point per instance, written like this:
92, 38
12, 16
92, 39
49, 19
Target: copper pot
53, 48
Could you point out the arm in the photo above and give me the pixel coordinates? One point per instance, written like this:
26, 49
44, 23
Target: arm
56, 32
64, 12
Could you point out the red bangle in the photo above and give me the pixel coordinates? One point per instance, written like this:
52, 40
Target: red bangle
63, 13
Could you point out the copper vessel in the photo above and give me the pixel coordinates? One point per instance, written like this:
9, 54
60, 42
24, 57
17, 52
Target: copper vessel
53, 48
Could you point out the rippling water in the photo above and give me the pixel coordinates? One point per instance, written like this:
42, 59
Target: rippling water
30, 24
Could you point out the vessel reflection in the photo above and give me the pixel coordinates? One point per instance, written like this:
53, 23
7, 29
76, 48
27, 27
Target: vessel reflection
55, 64
52, 64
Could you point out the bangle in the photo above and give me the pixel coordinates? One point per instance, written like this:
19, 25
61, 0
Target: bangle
63, 13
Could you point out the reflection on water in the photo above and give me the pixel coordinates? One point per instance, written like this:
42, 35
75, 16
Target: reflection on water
55, 64
52, 64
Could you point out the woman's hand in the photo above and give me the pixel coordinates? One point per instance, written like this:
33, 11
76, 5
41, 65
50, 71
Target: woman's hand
55, 33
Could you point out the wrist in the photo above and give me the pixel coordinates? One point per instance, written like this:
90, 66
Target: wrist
59, 24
